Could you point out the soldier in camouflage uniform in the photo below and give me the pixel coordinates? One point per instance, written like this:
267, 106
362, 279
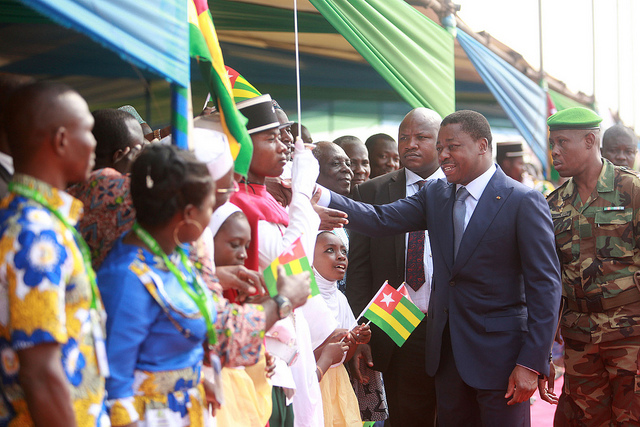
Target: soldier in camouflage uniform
596, 218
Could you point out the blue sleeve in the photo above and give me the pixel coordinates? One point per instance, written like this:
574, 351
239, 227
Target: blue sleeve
401, 216
131, 311
541, 273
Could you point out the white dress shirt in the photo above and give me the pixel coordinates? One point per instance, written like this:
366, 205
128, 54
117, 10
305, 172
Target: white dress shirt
475, 189
420, 297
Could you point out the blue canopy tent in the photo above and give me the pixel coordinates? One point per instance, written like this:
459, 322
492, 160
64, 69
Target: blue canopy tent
151, 35
338, 87
524, 102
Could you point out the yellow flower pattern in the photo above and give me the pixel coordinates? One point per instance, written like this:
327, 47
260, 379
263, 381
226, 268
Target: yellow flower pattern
45, 297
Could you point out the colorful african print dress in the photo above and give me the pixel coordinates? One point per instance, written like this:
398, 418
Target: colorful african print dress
45, 297
155, 336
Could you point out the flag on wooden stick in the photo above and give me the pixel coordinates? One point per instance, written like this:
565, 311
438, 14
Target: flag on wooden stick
392, 312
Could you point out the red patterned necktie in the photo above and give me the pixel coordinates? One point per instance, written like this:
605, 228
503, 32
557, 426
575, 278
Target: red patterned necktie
415, 256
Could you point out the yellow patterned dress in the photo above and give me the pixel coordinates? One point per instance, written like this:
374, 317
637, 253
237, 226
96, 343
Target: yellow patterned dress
45, 297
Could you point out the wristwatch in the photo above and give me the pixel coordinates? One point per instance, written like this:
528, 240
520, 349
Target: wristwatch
284, 306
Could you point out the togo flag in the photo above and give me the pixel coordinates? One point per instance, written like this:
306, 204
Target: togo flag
204, 46
294, 261
392, 312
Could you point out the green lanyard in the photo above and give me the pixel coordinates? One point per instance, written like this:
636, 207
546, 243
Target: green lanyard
32, 194
199, 296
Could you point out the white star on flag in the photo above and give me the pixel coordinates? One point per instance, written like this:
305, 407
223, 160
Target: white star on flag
289, 251
387, 299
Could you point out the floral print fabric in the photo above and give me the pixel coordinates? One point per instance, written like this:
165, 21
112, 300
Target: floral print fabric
45, 297
109, 210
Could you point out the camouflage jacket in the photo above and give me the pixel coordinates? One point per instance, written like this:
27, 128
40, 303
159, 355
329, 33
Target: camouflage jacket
599, 250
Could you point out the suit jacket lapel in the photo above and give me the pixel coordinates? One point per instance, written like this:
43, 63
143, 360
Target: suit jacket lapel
490, 203
443, 231
398, 190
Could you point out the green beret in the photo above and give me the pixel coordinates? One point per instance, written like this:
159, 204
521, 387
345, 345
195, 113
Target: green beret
574, 118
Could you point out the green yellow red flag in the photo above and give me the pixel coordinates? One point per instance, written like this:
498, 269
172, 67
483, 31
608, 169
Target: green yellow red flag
241, 88
205, 48
294, 260
392, 312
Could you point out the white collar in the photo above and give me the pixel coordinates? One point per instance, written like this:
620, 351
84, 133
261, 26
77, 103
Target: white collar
7, 162
413, 177
477, 186
326, 287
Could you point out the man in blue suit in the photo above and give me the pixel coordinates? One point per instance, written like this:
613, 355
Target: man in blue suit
496, 284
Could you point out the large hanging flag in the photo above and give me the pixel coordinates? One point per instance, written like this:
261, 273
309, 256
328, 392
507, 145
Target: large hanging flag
521, 98
241, 88
294, 260
393, 313
410, 51
205, 48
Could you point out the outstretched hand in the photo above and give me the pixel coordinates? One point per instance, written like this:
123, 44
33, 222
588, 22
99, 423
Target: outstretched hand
329, 218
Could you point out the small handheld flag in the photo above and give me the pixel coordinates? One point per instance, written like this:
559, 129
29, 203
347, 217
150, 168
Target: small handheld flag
294, 260
241, 88
392, 312
403, 290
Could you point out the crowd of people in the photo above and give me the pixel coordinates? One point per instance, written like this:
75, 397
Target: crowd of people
132, 288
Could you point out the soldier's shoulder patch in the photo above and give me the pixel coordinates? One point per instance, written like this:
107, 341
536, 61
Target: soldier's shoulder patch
555, 193
627, 171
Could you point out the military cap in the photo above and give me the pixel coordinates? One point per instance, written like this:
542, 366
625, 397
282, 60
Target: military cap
509, 150
574, 118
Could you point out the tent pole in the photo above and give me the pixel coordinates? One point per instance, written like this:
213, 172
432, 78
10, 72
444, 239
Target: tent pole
593, 43
540, 39
619, 54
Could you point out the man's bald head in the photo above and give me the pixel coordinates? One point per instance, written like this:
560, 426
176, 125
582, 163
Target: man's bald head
383, 154
425, 115
359, 157
619, 145
50, 122
417, 136
335, 171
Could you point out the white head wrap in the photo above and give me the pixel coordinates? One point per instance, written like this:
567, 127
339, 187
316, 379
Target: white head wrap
220, 216
210, 145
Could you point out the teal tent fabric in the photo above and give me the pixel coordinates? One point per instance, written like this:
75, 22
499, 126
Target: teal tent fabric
151, 34
411, 52
524, 102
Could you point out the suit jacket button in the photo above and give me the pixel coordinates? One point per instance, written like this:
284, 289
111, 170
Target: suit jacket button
446, 310
452, 283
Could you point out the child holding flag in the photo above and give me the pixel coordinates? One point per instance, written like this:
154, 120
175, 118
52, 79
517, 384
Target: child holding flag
247, 390
339, 401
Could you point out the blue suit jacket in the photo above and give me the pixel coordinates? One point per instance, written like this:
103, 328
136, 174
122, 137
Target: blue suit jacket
501, 295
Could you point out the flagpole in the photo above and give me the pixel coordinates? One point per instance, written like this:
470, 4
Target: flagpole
295, 31
353, 326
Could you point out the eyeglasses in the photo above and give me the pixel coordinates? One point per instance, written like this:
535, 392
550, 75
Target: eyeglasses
233, 189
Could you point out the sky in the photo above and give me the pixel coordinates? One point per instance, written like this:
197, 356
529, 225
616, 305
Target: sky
567, 44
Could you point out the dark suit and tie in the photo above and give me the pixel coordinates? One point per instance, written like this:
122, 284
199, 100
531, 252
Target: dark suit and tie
493, 308
410, 391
